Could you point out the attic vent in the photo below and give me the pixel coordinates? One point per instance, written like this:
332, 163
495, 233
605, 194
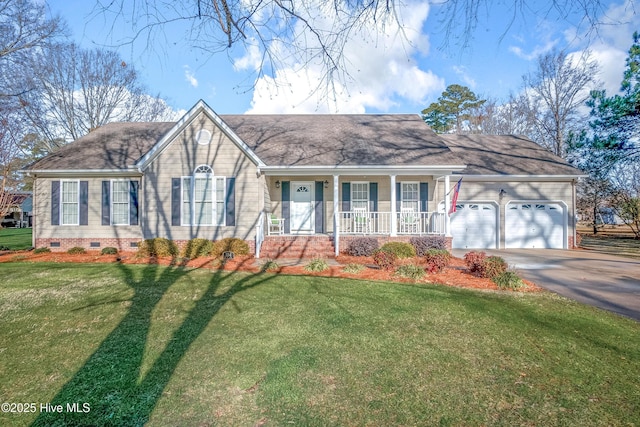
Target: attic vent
203, 137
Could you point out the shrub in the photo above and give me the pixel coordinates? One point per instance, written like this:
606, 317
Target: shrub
493, 266
41, 250
353, 268
5, 248
362, 246
270, 265
508, 280
109, 251
437, 260
399, 249
410, 271
317, 264
230, 244
474, 261
423, 243
385, 260
197, 248
157, 247
76, 250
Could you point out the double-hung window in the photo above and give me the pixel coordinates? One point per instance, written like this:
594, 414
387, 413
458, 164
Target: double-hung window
70, 203
120, 202
410, 196
203, 198
360, 195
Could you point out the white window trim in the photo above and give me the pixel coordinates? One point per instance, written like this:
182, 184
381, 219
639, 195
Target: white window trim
128, 201
402, 200
77, 182
199, 137
214, 200
182, 221
368, 193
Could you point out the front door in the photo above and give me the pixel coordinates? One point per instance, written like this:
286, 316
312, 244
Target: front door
302, 208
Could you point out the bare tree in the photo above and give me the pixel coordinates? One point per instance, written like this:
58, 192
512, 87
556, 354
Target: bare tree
555, 91
80, 90
512, 117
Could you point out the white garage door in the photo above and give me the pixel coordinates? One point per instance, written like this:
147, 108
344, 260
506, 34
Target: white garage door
534, 225
474, 226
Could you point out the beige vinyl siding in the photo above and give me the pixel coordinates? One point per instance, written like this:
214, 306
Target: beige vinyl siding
94, 229
179, 159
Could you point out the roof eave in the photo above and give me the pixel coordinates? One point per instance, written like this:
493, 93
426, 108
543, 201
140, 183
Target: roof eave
503, 178
361, 170
81, 172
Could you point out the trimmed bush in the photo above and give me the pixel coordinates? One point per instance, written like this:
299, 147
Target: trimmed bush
353, 268
230, 244
158, 247
196, 248
385, 260
493, 266
42, 250
437, 260
362, 246
109, 250
399, 249
269, 265
5, 248
410, 271
76, 250
474, 261
508, 280
317, 264
423, 243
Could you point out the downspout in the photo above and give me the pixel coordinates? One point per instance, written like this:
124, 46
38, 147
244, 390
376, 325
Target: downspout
573, 219
336, 215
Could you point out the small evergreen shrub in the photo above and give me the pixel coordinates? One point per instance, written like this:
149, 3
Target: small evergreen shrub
42, 250
353, 268
269, 265
437, 260
230, 244
5, 248
76, 250
493, 266
423, 243
109, 250
508, 280
317, 264
362, 246
410, 271
474, 261
159, 247
399, 249
196, 248
385, 260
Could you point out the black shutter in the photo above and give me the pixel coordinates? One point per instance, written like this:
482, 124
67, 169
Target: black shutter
373, 197
133, 202
83, 198
286, 208
346, 196
55, 202
319, 207
398, 196
175, 201
230, 205
424, 197
106, 203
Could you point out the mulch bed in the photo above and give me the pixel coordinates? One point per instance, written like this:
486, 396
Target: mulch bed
456, 274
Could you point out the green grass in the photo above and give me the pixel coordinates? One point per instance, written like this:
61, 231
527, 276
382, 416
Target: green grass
172, 346
15, 238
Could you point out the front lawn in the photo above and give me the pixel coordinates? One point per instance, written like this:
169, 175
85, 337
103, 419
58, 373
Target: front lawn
171, 346
15, 239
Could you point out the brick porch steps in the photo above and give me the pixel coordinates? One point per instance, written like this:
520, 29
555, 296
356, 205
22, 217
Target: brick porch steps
298, 247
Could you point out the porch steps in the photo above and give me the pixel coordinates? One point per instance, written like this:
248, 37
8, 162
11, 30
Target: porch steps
297, 247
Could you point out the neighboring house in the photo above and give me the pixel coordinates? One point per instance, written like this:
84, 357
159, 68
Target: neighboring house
20, 207
330, 177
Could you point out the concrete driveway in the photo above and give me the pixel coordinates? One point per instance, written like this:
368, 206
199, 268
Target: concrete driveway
606, 281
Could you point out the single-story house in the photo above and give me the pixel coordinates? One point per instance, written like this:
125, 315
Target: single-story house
20, 207
305, 184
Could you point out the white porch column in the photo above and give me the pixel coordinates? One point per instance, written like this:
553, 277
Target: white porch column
336, 213
394, 217
447, 206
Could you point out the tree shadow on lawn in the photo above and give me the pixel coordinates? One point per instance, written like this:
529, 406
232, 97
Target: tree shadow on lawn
110, 381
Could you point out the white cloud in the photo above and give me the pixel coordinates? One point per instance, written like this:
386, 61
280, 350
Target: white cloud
461, 71
380, 70
189, 77
535, 52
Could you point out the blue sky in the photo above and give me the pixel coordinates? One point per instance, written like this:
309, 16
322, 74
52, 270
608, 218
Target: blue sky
395, 75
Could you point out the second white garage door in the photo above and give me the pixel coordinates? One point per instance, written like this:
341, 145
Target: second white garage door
475, 226
535, 225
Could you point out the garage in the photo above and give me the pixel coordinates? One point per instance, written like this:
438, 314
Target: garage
474, 225
535, 225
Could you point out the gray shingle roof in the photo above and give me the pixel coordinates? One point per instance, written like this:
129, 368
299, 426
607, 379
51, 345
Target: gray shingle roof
506, 155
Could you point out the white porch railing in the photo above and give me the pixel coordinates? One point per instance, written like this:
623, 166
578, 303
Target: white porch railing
259, 234
408, 223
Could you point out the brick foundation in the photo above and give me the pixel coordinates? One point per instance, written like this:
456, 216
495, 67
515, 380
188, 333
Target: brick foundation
97, 244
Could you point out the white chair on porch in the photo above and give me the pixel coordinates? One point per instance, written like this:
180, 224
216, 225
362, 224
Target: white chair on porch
361, 221
409, 221
276, 225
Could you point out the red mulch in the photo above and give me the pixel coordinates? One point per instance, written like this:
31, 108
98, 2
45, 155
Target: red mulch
456, 274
